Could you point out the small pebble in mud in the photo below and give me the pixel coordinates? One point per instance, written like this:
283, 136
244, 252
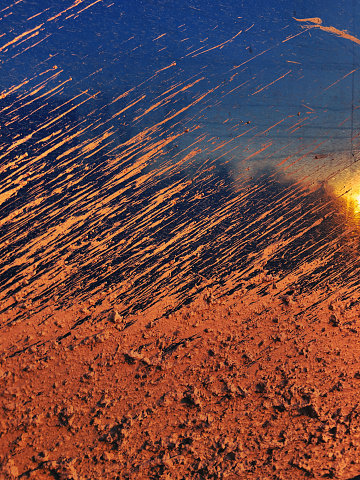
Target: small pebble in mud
286, 300
115, 317
334, 320
107, 456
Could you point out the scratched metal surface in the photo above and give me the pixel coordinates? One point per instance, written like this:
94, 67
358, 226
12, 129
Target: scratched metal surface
149, 149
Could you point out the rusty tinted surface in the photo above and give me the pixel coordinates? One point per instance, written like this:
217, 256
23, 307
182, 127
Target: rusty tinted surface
151, 148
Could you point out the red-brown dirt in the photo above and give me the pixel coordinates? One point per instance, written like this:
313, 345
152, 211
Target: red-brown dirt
237, 387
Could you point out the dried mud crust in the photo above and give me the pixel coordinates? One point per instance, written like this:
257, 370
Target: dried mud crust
242, 387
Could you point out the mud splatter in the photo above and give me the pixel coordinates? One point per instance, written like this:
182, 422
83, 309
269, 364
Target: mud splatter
178, 240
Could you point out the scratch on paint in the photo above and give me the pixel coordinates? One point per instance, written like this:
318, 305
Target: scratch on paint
268, 85
75, 4
342, 78
160, 36
259, 151
221, 45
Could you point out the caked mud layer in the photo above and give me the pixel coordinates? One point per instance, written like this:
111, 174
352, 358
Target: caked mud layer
238, 387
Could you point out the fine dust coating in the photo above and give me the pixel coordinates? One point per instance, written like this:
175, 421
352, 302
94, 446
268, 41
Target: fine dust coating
179, 241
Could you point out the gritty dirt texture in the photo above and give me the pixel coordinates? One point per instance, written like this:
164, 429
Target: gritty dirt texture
238, 387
